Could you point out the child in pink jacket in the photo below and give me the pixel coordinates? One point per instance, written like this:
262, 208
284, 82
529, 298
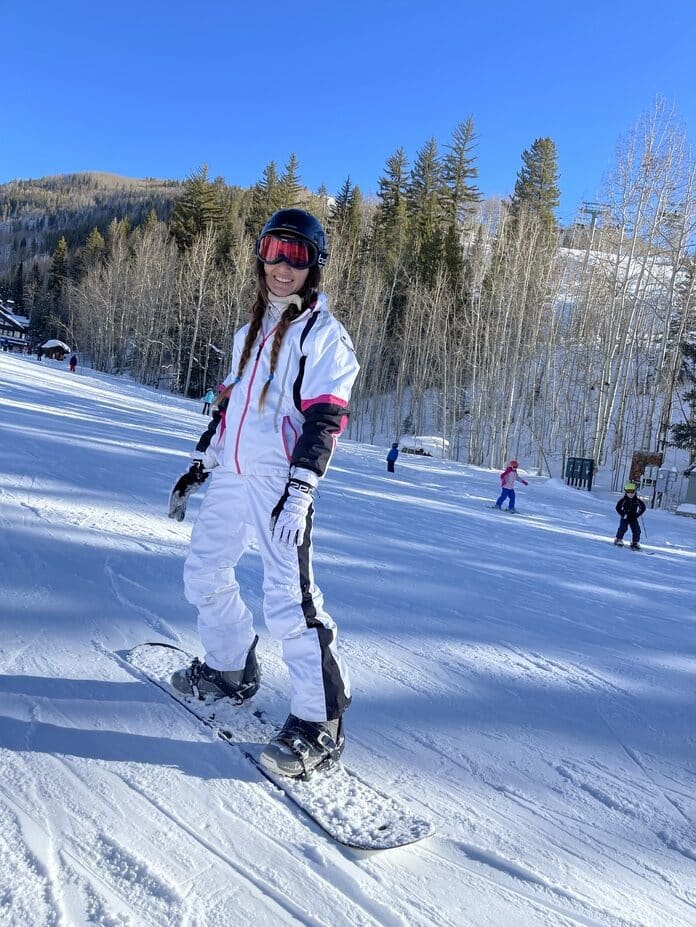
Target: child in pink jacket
507, 480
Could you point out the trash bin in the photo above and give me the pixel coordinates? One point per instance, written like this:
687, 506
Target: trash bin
691, 488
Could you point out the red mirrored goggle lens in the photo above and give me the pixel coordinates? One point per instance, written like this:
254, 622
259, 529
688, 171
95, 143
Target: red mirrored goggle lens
272, 249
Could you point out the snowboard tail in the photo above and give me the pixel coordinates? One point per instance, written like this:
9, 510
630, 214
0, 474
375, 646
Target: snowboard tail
348, 809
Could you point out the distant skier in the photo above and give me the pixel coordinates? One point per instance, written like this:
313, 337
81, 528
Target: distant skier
208, 399
392, 454
630, 507
39, 353
73, 363
507, 480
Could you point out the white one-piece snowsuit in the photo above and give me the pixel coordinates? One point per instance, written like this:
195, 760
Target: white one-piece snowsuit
252, 451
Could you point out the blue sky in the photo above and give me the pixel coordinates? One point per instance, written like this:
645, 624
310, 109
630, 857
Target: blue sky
158, 88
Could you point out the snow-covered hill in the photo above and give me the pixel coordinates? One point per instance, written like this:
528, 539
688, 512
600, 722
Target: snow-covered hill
519, 680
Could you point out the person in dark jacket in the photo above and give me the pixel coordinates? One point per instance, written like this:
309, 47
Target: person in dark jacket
630, 507
73, 363
392, 454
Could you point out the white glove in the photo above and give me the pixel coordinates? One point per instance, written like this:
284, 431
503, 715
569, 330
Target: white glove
289, 517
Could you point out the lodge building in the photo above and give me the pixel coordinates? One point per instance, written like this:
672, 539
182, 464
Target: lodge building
13, 328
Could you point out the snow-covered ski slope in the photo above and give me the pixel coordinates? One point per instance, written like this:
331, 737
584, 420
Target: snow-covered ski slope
520, 681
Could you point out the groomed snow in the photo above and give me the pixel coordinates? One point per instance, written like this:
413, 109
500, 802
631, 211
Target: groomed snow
518, 680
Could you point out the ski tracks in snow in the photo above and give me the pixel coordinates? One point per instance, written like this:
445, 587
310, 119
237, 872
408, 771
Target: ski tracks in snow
90, 838
118, 582
86, 875
596, 817
69, 868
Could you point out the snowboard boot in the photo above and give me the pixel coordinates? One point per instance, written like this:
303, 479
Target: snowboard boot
635, 545
301, 747
204, 682
618, 542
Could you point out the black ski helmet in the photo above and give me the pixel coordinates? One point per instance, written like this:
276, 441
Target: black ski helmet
301, 224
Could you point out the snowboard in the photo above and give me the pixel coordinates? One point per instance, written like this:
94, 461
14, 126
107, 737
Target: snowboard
351, 811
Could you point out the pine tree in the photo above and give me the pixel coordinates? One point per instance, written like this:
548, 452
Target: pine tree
391, 217
94, 250
58, 271
35, 284
150, 222
536, 187
425, 203
38, 304
199, 206
684, 433
453, 257
346, 215
49, 310
290, 191
353, 219
458, 171
265, 199
18, 289
342, 201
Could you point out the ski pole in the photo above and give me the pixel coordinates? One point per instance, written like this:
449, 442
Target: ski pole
642, 524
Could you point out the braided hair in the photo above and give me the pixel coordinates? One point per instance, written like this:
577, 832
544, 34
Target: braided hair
308, 297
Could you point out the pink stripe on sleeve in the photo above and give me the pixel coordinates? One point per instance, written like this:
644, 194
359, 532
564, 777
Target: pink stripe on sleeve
331, 400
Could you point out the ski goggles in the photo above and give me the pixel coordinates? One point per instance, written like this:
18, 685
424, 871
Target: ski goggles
298, 253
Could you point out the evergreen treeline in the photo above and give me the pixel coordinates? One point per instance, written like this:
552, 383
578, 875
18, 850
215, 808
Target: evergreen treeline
480, 321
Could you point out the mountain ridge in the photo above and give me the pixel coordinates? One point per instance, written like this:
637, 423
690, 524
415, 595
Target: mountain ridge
36, 213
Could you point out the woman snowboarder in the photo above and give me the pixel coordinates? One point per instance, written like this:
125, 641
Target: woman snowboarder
269, 443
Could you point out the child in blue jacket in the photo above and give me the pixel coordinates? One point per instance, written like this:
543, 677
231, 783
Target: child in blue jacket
208, 400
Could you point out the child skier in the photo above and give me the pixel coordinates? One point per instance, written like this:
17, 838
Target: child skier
270, 440
630, 507
392, 454
507, 480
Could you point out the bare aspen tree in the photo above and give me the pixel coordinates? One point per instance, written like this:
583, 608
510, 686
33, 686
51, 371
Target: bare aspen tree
638, 194
197, 282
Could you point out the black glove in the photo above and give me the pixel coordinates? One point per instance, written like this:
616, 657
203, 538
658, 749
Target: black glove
184, 487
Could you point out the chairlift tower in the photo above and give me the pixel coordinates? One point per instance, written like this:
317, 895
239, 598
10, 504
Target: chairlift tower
595, 210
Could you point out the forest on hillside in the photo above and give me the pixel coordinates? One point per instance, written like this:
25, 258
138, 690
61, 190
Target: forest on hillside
35, 214
477, 320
